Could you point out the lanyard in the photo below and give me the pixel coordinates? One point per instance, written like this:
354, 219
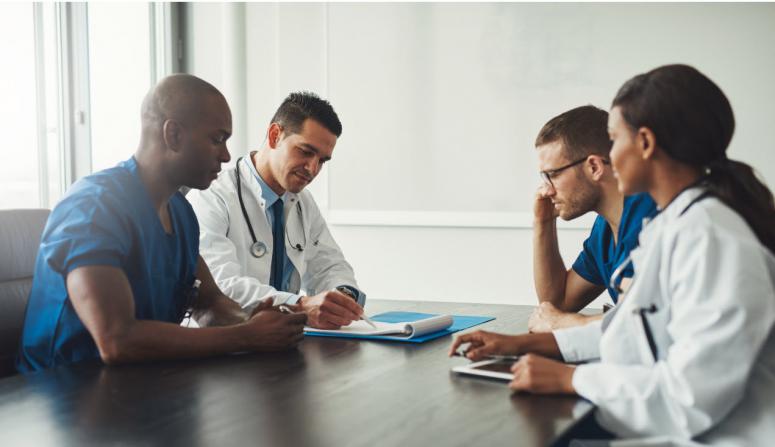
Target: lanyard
628, 260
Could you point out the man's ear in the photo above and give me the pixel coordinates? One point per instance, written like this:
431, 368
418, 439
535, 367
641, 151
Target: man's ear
646, 142
274, 135
596, 166
172, 132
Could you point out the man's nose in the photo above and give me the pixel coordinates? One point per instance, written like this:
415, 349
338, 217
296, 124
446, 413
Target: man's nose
225, 155
549, 190
313, 165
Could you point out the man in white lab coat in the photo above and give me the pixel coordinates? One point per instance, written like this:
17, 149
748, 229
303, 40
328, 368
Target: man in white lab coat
262, 234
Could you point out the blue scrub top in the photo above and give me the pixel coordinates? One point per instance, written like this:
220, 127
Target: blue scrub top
601, 255
107, 219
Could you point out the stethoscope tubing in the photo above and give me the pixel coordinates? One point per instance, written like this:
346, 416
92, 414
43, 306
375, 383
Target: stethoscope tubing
242, 203
258, 249
642, 311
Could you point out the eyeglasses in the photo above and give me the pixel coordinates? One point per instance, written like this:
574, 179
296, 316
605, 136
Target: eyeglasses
549, 174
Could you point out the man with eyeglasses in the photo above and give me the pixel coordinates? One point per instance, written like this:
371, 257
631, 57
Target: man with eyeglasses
577, 178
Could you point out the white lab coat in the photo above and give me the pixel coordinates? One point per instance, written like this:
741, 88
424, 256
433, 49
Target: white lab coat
713, 285
225, 241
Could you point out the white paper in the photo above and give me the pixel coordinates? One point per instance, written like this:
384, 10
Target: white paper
407, 329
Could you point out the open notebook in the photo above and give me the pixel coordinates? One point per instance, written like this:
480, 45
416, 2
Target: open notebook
406, 329
409, 327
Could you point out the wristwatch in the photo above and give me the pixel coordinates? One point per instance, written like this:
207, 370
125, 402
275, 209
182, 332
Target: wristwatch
349, 291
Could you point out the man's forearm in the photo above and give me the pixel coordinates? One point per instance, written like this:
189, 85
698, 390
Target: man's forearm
549, 271
220, 311
146, 340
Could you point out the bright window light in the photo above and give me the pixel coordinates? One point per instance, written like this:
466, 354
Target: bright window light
119, 77
19, 151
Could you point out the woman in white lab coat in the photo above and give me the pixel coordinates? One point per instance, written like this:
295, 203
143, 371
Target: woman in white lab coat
689, 353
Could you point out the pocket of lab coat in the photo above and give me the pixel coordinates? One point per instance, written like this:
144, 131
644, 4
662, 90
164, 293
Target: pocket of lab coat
644, 337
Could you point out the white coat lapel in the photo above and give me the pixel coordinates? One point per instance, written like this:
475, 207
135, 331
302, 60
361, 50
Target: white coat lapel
296, 237
254, 203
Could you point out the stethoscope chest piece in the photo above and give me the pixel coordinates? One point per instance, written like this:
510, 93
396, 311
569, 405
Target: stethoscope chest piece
258, 249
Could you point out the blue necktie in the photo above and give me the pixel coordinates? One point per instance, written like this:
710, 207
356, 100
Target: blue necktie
278, 242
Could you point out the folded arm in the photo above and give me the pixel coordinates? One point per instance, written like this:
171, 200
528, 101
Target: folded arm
102, 298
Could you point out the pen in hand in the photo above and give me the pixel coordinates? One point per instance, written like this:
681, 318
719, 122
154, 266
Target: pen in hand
346, 291
368, 320
287, 310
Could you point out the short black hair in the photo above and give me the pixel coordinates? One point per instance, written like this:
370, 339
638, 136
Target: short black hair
583, 131
299, 106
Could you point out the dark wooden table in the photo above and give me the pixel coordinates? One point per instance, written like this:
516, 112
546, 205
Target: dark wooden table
329, 392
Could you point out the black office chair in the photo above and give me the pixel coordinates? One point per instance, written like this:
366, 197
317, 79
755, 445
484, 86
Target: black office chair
20, 232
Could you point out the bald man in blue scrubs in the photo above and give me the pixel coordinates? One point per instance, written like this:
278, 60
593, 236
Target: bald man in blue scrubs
119, 266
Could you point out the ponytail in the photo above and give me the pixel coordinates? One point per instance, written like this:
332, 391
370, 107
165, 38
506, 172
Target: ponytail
737, 185
693, 123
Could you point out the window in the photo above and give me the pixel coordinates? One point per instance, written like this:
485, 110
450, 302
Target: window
73, 90
19, 158
119, 76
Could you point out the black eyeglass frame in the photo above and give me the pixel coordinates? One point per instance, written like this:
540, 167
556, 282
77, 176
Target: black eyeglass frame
547, 175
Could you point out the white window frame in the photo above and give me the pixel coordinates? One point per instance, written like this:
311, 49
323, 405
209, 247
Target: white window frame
72, 68
40, 106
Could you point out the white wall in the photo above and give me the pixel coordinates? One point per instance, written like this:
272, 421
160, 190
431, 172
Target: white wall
429, 193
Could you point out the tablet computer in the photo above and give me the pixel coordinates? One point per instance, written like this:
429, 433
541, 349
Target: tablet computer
494, 369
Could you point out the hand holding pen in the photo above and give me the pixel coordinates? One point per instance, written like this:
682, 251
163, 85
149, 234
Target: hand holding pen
347, 291
284, 308
331, 309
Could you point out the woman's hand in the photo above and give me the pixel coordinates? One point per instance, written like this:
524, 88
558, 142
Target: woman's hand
540, 375
483, 343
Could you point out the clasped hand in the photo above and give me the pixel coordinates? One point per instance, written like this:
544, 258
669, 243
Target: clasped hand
271, 330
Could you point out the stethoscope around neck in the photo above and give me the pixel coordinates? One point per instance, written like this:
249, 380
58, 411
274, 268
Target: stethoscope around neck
258, 248
617, 276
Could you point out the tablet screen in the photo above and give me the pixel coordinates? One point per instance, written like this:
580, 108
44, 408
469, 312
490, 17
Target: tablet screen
502, 367
494, 369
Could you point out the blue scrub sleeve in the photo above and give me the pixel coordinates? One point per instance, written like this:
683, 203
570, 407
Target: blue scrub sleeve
586, 267
630, 244
88, 231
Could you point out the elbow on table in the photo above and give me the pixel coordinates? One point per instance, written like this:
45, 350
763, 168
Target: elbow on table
113, 349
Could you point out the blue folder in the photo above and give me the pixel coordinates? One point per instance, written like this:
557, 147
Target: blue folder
459, 323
